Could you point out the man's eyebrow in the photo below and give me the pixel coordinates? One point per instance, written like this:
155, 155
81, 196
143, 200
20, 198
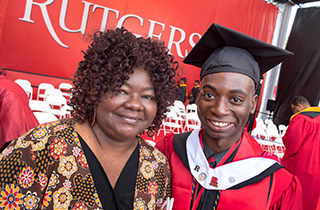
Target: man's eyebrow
209, 86
238, 91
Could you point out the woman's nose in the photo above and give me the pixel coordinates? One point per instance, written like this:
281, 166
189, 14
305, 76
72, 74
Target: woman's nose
133, 103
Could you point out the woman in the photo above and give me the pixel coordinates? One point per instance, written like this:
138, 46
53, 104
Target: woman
97, 159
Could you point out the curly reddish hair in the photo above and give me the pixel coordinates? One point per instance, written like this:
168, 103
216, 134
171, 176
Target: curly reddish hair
109, 61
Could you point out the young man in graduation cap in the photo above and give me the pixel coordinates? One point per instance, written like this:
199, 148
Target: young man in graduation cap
221, 166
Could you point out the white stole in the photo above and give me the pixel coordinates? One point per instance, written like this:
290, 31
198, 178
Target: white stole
224, 176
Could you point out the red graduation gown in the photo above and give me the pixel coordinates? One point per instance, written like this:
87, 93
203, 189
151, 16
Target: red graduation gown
285, 191
302, 157
16, 117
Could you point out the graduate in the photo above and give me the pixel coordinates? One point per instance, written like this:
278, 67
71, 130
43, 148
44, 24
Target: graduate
302, 155
182, 90
194, 92
221, 166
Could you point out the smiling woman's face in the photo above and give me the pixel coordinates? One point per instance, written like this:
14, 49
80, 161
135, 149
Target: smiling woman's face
224, 104
131, 111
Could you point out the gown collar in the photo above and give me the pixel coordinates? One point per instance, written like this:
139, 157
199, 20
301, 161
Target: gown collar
224, 176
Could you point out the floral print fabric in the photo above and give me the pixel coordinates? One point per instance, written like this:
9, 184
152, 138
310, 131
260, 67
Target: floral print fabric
46, 168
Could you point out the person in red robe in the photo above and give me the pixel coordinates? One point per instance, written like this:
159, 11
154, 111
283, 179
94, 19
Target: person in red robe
302, 156
16, 117
221, 166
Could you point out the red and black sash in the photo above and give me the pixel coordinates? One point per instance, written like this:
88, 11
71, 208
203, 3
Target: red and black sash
208, 199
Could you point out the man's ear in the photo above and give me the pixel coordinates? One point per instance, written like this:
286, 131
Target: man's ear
253, 104
300, 107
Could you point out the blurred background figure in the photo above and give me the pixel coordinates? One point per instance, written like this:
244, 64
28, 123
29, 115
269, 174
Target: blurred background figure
302, 156
194, 92
182, 90
299, 103
16, 117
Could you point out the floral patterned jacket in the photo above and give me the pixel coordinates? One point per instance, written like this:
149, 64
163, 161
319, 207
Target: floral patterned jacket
46, 168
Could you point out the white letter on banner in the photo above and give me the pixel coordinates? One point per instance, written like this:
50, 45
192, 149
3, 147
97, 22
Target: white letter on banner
43, 7
191, 42
123, 18
151, 29
84, 21
105, 15
183, 36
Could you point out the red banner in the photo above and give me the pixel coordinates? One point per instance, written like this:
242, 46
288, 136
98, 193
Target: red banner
46, 37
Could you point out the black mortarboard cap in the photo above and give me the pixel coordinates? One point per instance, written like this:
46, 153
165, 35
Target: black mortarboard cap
222, 49
184, 79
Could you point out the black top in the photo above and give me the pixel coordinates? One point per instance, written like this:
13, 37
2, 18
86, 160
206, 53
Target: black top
121, 197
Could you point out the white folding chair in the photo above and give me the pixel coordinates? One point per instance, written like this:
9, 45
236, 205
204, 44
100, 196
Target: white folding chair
65, 89
269, 146
43, 117
192, 121
42, 88
180, 118
56, 102
191, 108
26, 86
54, 92
181, 106
282, 129
177, 103
40, 106
278, 140
260, 124
259, 120
23, 82
272, 133
65, 111
267, 121
272, 126
259, 133
170, 124
65, 86
281, 150
180, 114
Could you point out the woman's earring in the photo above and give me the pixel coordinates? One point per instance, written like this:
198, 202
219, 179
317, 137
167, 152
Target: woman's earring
150, 133
92, 119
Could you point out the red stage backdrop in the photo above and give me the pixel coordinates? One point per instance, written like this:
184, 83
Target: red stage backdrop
42, 40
